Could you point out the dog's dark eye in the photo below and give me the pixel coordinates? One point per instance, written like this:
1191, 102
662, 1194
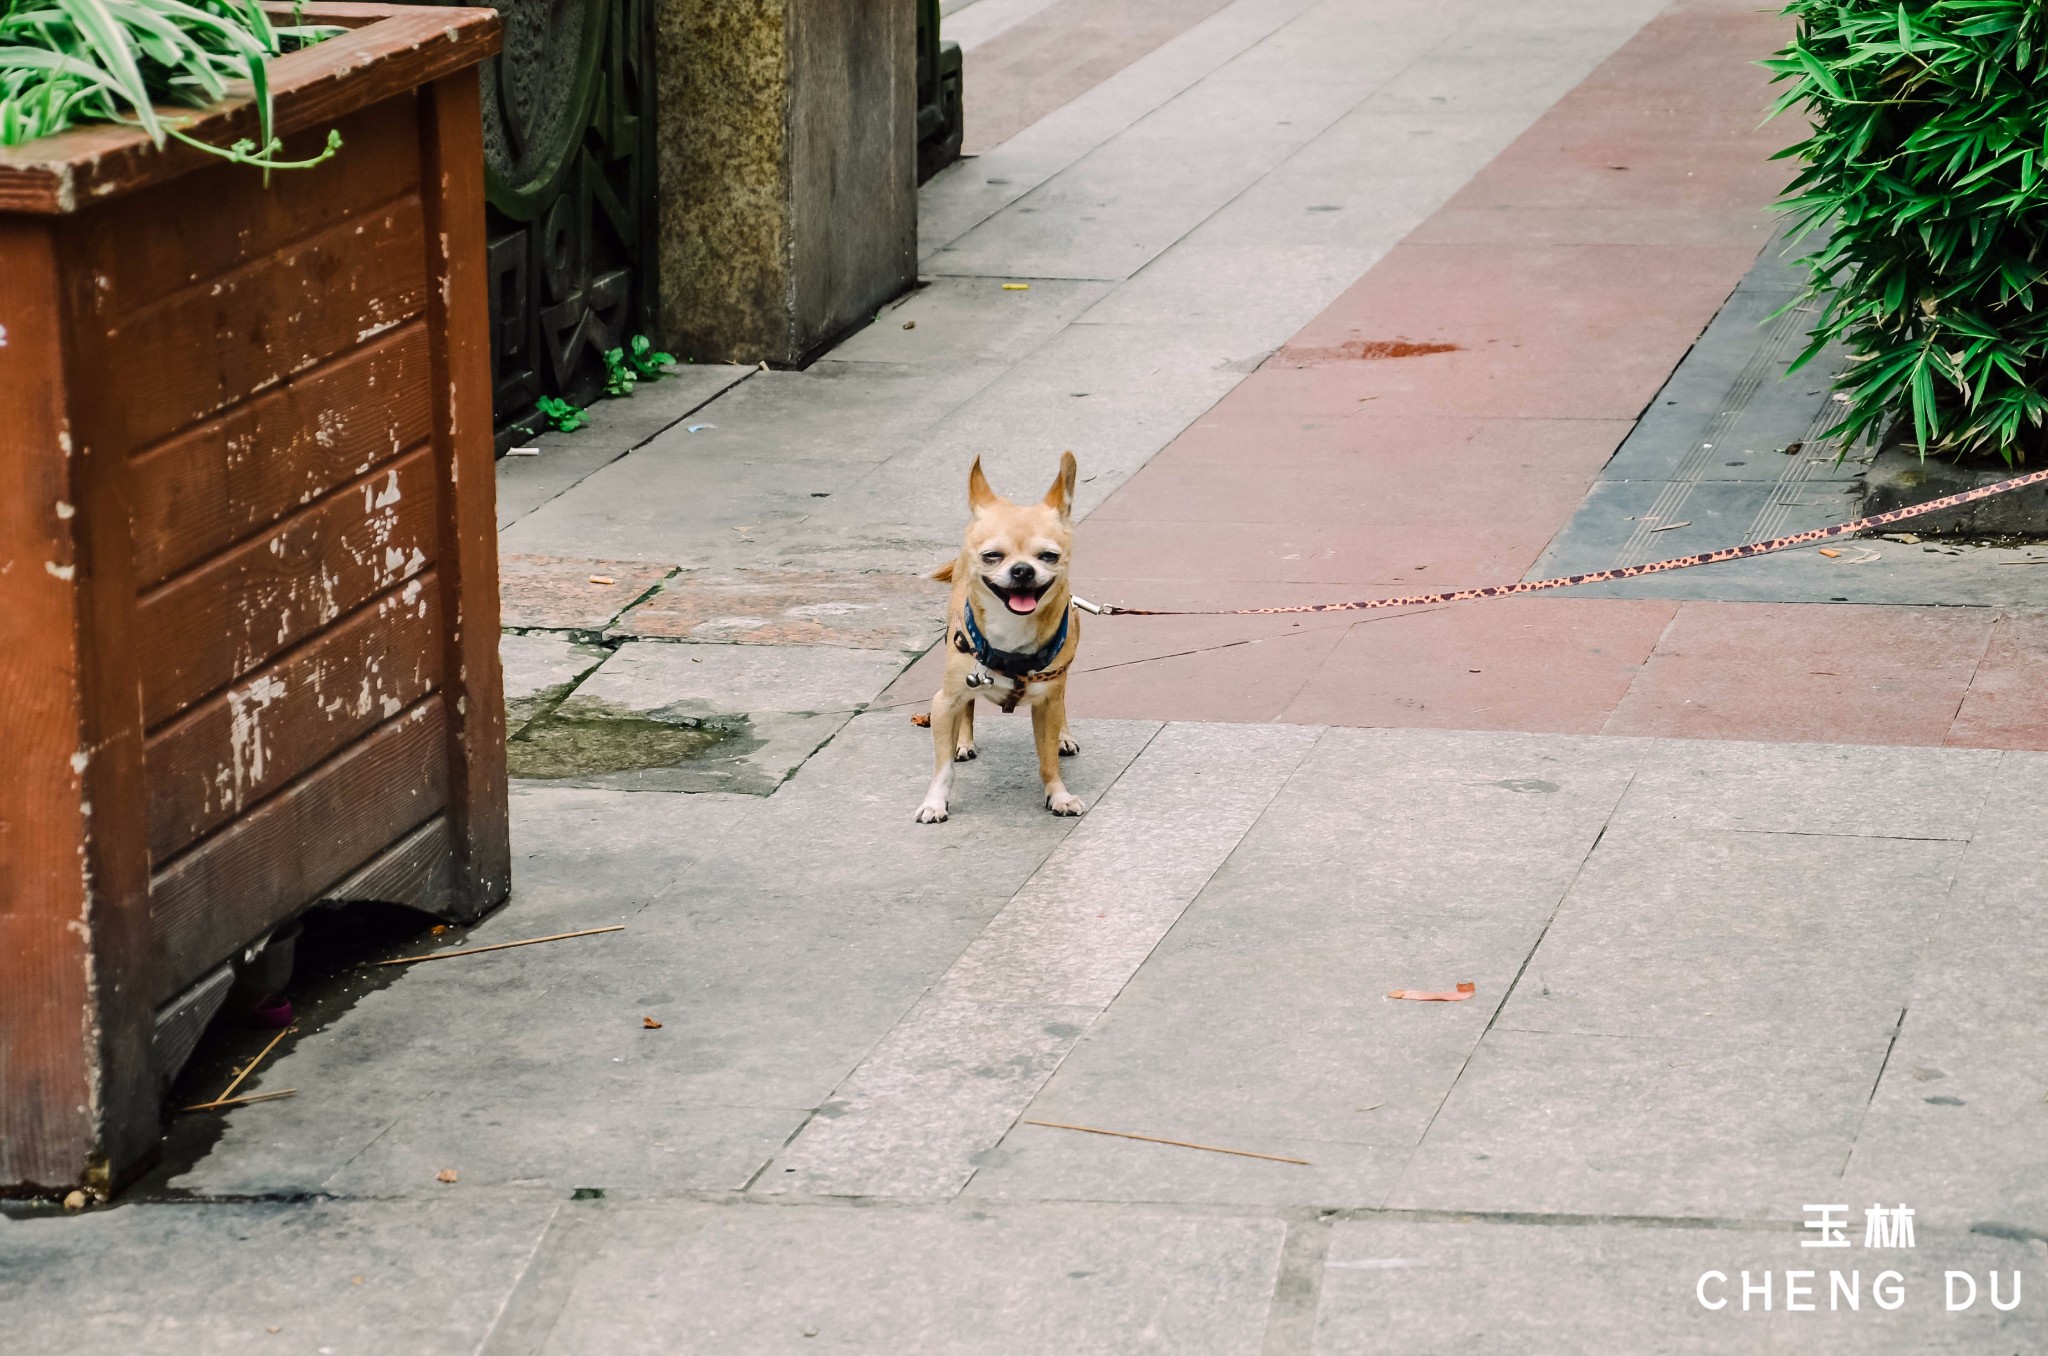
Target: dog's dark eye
992, 557
1049, 557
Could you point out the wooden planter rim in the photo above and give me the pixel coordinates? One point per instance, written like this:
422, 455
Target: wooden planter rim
390, 49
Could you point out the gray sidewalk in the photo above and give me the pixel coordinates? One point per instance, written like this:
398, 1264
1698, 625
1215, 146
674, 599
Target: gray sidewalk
1692, 962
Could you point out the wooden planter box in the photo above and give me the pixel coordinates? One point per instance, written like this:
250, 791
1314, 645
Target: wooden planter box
248, 576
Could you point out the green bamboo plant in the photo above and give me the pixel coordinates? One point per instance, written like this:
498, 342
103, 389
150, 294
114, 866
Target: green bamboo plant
1926, 168
63, 62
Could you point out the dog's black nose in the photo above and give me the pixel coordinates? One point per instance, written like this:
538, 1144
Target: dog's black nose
1023, 573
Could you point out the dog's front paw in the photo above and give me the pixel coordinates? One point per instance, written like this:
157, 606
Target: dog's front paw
1065, 803
1069, 746
965, 754
932, 812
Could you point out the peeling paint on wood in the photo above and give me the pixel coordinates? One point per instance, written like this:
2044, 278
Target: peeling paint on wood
224, 691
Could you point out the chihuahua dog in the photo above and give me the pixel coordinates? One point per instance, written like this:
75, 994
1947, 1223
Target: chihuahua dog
1011, 633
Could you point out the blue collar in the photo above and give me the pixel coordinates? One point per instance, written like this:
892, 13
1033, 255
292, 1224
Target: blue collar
1013, 663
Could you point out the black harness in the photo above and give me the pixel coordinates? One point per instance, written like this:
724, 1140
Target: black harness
1019, 666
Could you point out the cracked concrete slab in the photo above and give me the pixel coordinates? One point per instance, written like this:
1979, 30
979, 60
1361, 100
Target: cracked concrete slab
540, 667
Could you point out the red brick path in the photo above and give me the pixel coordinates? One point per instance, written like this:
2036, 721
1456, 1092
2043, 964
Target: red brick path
1570, 276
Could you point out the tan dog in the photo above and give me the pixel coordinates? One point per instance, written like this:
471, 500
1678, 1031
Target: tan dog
1011, 632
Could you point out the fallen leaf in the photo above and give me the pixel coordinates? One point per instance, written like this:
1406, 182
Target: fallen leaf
650, 1024
355, 1280
910, 324
602, 579
437, 929
921, 719
1465, 990
446, 1175
1828, 553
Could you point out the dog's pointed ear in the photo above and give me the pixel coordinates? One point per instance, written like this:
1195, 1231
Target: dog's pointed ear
979, 496
944, 574
1061, 495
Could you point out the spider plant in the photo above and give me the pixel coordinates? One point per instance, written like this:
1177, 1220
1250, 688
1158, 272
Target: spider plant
63, 62
1929, 140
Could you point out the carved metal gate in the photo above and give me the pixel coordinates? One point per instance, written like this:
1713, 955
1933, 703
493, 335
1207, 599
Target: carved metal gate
568, 116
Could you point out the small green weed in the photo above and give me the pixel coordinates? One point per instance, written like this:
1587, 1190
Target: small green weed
619, 376
561, 415
640, 361
646, 360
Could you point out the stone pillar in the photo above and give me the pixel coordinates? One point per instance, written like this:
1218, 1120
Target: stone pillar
786, 138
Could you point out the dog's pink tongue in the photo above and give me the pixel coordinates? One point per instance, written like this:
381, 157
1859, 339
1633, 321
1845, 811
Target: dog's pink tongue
1021, 602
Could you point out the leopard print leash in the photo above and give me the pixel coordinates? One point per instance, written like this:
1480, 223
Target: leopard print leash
1760, 548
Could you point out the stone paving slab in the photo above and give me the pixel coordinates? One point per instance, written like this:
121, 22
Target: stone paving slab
1100, 903
849, 813
948, 1081
1748, 938
967, 322
797, 1279
611, 430
1543, 1123
1953, 1121
1028, 57
540, 667
1552, 665
261, 1277
2007, 704
877, 611
1341, 202
672, 681
1855, 674
1391, 860
556, 1144
970, 191
1709, 787
564, 592
527, 482
772, 705
1542, 1289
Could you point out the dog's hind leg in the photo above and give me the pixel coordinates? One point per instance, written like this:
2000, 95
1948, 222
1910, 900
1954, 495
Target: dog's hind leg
964, 748
1048, 722
946, 709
